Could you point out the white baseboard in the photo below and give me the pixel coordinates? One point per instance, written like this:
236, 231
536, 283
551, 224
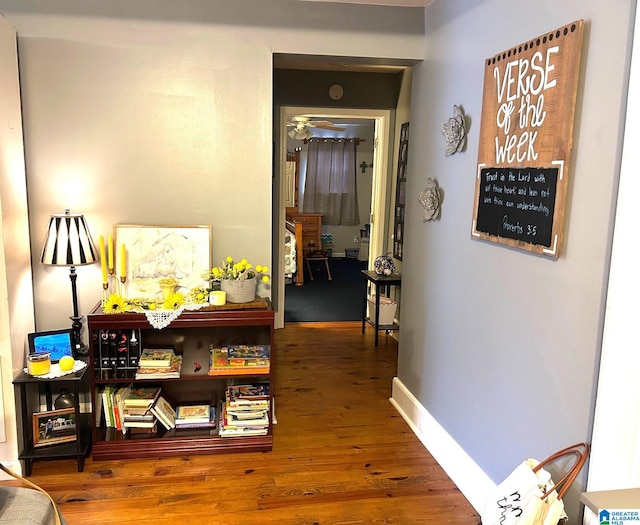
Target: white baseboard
463, 471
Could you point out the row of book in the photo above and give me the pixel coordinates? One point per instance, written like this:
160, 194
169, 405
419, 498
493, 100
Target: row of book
198, 416
244, 411
126, 408
239, 359
121, 350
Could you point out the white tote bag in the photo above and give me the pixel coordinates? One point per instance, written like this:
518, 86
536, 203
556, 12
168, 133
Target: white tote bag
528, 496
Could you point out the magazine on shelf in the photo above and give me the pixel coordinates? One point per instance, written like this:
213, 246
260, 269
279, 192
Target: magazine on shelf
143, 397
190, 425
239, 360
161, 372
193, 414
253, 394
231, 429
248, 355
155, 357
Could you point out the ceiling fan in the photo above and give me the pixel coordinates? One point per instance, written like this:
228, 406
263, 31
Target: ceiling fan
300, 127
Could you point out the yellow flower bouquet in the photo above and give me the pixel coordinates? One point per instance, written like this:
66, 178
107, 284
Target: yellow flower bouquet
237, 279
240, 271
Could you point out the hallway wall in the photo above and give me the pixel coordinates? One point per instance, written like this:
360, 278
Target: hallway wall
501, 347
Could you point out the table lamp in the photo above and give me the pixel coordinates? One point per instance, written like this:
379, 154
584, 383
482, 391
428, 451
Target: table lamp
68, 243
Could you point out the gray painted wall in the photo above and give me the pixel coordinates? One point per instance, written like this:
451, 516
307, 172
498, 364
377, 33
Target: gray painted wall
151, 112
501, 346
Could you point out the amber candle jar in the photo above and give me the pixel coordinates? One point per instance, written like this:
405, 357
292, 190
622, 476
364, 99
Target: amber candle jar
39, 364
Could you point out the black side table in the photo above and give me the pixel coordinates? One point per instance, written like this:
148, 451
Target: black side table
77, 448
382, 283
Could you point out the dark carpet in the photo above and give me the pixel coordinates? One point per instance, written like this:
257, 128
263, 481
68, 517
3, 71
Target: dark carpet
323, 300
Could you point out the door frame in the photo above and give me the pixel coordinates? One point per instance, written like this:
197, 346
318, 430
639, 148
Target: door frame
381, 173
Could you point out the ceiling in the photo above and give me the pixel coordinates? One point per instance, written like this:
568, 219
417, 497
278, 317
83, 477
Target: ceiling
351, 64
395, 3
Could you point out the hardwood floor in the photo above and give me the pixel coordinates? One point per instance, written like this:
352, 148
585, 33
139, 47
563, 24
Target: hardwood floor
342, 455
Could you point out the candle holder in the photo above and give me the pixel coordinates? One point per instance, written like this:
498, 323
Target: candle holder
105, 293
123, 286
113, 284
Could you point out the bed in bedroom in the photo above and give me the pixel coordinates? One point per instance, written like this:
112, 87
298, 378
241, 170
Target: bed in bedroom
293, 252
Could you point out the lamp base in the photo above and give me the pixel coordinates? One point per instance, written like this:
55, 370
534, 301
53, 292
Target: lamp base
79, 348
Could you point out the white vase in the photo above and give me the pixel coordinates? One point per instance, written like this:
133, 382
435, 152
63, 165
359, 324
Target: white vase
239, 290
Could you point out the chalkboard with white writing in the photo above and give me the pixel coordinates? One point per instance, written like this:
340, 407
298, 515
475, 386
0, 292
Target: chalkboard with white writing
526, 136
518, 203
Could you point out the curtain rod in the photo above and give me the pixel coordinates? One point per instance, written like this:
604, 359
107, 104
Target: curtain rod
354, 139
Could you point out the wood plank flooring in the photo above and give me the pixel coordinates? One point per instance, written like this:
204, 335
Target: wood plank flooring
342, 455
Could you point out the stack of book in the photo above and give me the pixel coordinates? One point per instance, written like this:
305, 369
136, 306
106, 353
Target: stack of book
239, 360
245, 411
159, 364
137, 409
195, 417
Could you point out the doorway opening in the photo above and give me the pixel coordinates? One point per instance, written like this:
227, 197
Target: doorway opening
381, 120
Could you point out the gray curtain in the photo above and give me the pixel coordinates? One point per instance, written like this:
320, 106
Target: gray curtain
330, 185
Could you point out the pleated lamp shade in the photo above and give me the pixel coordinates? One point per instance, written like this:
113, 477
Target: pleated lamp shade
68, 241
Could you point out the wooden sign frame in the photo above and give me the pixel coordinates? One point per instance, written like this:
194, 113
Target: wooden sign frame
526, 134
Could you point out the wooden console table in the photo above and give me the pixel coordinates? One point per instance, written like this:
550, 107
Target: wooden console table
382, 283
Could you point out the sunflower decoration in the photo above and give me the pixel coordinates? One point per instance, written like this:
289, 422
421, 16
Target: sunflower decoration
116, 304
139, 303
173, 301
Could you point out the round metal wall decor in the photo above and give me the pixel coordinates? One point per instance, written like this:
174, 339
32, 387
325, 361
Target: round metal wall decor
430, 200
455, 132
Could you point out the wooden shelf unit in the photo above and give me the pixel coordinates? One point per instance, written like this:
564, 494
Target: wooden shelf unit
191, 334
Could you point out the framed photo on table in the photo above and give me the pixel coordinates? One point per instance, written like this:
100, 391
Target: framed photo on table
54, 426
163, 252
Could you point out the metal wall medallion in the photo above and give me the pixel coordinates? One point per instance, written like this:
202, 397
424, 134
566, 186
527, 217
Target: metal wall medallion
430, 200
455, 132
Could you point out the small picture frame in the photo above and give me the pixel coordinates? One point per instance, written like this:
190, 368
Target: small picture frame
54, 427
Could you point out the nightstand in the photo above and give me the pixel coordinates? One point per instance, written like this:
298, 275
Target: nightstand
30, 386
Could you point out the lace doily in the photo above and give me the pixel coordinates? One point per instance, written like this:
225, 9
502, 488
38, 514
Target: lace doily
162, 318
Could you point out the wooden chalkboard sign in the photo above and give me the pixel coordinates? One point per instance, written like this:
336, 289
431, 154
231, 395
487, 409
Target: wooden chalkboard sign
525, 141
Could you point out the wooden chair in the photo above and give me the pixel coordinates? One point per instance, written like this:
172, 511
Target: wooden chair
318, 255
